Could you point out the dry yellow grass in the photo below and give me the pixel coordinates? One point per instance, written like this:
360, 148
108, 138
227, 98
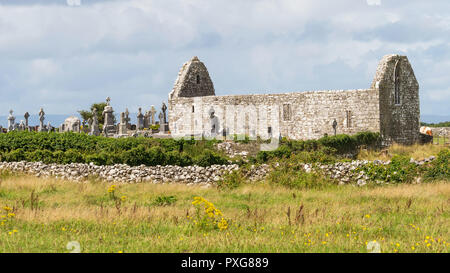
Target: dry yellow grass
416, 151
344, 217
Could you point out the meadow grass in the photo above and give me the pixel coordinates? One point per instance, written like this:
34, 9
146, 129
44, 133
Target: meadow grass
416, 151
47, 214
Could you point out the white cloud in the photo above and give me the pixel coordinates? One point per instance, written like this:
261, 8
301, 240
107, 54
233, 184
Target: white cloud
67, 57
373, 2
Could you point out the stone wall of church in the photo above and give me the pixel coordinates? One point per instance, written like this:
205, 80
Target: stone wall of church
390, 106
399, 115
297, 115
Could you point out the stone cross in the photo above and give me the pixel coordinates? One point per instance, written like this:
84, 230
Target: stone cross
164, 108
127, 118
122, 118
108, 99
94, 124
160, 116
26, 116
334, 126
41, 120
140, 120
123, 124
146, 119
11, 121
152, 113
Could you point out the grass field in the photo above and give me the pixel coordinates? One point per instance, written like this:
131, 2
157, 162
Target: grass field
44, 215
416, 151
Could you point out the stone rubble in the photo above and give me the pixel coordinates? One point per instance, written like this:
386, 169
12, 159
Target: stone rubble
228, 148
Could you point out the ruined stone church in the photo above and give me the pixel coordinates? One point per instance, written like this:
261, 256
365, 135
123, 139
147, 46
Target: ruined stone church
390, 106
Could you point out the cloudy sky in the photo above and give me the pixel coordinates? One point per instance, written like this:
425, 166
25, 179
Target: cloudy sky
64, 55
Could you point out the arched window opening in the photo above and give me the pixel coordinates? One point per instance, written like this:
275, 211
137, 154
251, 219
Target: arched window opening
198, 79
397, 74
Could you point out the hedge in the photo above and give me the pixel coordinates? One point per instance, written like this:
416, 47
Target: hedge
323, 147
70, 147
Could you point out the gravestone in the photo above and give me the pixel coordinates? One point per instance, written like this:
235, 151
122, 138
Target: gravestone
164, 127
109, 128
123, 124
11, 121
26, 116
41, 121
127, 119
22, 126
94, 124
71, 124
140, 120
146, 119
152, 113
161, 122
49, 127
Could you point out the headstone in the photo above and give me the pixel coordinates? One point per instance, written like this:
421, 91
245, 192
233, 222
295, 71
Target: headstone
164, 127
71, 124
127, 119
94, 125
164, 109
22, 126
49, 127
108, 127
152, 113
140, 120
123, 124
146, 119
11, 121
161, 122
26, 116
41, 121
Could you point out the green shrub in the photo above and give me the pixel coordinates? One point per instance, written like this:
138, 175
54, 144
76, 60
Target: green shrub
400, 170
179, 159
298, 179
44, 156
164, 200
72, 147
230, 181
15, 155
440, 167
209, 158
324, 147
73, 156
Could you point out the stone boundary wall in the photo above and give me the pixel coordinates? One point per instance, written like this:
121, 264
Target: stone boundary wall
440, 131
298, 115
122, 173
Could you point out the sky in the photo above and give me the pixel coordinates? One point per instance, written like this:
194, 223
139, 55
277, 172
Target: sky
64, 55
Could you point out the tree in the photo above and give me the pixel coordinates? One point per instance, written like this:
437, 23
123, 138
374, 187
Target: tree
85, 114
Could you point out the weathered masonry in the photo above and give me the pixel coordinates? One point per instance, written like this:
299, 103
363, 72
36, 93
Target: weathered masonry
390, 106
